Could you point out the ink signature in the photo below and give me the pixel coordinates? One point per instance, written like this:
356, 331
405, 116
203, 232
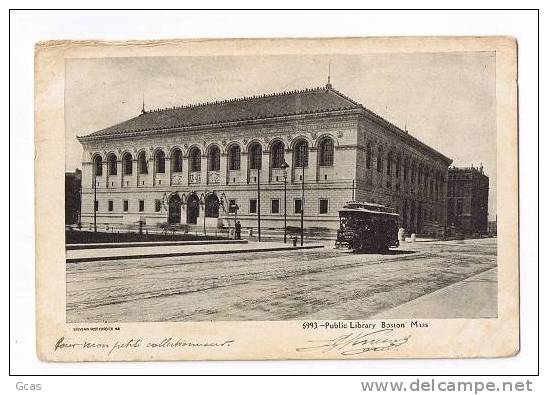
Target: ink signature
358, 343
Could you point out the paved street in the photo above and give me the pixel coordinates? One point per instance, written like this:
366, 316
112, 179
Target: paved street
316, 284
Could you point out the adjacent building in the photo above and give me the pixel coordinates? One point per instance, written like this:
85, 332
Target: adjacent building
467, 200
194, 164
73, 189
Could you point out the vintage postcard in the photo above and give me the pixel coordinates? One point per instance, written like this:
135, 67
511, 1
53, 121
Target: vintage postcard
277, 199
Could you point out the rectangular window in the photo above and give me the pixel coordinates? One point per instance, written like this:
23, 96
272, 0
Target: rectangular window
126, 205
231, 206
275, 206
157, 205
96, 205
141, 205
252, 206
324, 206
110, 205
298, 206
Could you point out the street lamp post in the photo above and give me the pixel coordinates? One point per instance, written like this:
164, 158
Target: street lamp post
183, 205
259, 202
302, 195
202, 202
284, 167
95, 198
81, 192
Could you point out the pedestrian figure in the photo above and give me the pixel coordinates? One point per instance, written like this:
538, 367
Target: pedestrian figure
238, 228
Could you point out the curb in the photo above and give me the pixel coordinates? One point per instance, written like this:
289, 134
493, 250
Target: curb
193, 253
94, 246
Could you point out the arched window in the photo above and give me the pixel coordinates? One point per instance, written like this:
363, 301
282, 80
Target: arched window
142, 163
255, 156
98, 166
234, 157
112, 165
127, 164
326, 152
368, 156
195, 159
301, 154
214, 159
405, 169
277, 155
379, 160
177, 160
398, 166
389, 164
160, 161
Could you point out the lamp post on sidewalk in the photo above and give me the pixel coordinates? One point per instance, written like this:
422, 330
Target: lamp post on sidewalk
95, 167
259, 201
95, 201
302, 194
202, 203
284, 167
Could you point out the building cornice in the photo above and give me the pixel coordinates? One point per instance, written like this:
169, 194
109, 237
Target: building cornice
405, 136
214, 126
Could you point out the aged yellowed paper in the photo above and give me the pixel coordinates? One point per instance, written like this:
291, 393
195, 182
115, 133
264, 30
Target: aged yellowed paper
276, 199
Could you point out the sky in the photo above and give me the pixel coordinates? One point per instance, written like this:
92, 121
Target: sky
446, 100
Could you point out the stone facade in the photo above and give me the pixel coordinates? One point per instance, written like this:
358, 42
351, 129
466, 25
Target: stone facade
467, 200
397, 170
194, 173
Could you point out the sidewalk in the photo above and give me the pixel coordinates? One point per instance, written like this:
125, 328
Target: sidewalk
104, 254
474, 297
87, 246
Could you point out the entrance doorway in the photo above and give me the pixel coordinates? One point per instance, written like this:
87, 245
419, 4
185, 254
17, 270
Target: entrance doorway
212, 206
192, 209
174, 210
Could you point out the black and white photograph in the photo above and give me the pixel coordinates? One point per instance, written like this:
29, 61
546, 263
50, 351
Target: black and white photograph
280, 198
269, 188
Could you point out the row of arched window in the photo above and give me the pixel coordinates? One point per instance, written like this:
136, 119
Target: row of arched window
410, 169
277, 158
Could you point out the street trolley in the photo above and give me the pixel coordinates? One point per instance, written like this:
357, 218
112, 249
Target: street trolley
367, 227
